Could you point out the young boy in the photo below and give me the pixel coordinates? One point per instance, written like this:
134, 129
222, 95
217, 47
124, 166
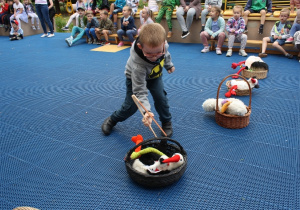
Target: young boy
79, 29
105, 28
16, 32
279, 33
90, 27
257, 6
167, 7
148, 55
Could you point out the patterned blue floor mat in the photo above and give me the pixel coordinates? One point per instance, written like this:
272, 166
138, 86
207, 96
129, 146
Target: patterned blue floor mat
53, 155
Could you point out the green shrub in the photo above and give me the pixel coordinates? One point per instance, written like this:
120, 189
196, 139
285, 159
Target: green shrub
60, 22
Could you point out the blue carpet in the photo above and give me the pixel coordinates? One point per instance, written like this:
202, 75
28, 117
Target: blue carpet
53, 155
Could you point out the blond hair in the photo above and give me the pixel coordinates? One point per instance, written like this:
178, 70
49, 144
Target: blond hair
152, 34
238, 7
285, 10
89, 12
128, 8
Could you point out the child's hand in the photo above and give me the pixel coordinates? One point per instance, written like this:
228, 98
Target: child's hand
171, 70
147, 120
232, 30
275, 37
211, 37
97, 29
186, 8
280, 37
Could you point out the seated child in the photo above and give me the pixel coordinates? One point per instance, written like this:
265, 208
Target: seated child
145, 17
214, 29
90, 28
99, 5
127, 26
295, 27
297, 43
207, 8
257, 6
78, 29
115, 8
235, 28
279, 33
19, 12
79, 3
105, 28
6, 17
144, 70
16, 32
133, 4
167, 7
30, 12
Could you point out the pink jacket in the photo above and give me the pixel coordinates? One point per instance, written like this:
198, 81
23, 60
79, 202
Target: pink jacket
296, 3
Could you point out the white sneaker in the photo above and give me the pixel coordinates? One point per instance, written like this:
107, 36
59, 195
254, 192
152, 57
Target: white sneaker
218, 51
44, 35
229, 53
243, 53
38, 28
205, 49
51, 35
33, 27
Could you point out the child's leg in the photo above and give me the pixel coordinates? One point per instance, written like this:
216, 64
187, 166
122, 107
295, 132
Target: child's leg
204, 36
130, 34
121, 33
32, 20
203, 16
181, 21
98, 35
295, 27
189, 17
92, 31
221, 38
160, 14
243, 39
105, 34
36, 19
87, 32
277, 44
263, 16
112, 7
264, 44
246, 14
79, 36
169, 17
231, 39
71, 19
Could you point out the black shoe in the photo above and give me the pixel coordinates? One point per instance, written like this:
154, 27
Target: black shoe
167, 127
202, 29
289, 56
261, 30
6, 28
107, 126
185, 34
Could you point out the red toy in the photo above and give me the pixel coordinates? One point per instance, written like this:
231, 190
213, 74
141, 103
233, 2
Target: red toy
137, 139
252, 62
241, 85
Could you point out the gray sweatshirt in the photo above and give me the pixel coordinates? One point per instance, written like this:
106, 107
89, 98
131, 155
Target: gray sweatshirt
139, 70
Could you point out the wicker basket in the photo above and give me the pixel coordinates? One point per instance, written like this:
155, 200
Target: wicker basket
256, 70
232, 121
238, 92
168, 147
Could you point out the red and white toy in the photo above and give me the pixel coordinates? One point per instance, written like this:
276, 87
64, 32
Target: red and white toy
166, 164
241, 85
251, 62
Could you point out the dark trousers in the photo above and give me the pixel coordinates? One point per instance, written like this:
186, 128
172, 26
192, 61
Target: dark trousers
15, 37
156, 88
43, 14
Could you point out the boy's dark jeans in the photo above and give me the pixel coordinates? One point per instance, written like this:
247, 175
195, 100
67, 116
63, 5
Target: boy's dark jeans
156, 88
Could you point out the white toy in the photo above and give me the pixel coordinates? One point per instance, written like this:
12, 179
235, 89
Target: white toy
166, 164
230, 106
241, 85
139, 166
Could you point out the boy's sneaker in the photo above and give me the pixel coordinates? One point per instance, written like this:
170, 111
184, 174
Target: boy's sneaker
105, 43
289, 40
169, 34
261, 30
90, 41
167, 127
69, 42
96, 42
33, 27
289, 56
185, 34
243, 53
121, 44
262, 55
51, 35
205, 49
229, 53
65, 28
218, 51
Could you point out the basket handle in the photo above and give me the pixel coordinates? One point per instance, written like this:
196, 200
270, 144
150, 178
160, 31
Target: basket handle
250, 91
163, 140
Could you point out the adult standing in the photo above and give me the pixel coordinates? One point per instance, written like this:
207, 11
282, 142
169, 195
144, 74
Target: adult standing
51, 11
42, 11
190, 8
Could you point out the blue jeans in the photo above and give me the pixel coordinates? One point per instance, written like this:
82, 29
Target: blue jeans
161, 104
280, 41
295, 27
129, 33
76, 30
92, 31
43, 14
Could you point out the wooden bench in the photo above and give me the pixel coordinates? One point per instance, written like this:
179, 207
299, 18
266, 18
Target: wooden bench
114, 39
253, 43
